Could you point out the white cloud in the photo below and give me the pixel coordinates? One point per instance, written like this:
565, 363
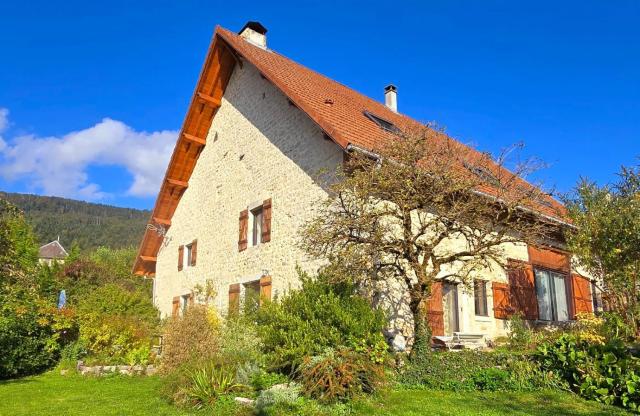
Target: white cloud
59, 165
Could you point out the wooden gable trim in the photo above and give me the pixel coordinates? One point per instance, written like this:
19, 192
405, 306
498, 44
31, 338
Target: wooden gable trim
205, 102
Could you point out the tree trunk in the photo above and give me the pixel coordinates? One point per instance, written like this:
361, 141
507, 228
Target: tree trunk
421, 330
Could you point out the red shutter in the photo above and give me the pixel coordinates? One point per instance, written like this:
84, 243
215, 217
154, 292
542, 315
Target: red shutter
234, 298
265, 289
175, 306
180, 257
435, 310
194, 252
522, 289
581, 289
244, 225
502, 308
266, 221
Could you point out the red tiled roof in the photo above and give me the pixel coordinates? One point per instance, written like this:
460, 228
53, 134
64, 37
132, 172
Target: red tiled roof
335, 108
52, 250
339, 110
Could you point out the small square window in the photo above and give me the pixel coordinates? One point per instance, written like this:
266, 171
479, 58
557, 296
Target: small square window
480, 297
256, 225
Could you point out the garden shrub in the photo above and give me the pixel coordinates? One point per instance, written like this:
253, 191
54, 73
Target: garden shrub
305, 322
605, 372
339, 375
32, 333
210, 382
468, 370
113, 322
278, 399
191, 338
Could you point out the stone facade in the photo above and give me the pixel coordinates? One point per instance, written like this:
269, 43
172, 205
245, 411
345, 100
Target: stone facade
259, 147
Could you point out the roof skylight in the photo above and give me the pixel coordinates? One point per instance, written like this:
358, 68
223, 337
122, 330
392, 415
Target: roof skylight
382, 123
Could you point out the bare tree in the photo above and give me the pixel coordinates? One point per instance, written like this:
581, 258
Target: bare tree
425, 207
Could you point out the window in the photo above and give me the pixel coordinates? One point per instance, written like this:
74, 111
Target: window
382, 123
483, 174
184, 303
256, 226
480, 297
188, 253
251, 296
596, 296
551, 292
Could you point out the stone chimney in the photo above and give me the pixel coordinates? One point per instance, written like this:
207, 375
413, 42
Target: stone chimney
391, 97
255, 33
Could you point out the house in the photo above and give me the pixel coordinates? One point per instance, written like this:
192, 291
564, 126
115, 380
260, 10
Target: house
52, 252
243, 179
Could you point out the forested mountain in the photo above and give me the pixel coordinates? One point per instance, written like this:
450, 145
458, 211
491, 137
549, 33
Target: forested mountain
89, 225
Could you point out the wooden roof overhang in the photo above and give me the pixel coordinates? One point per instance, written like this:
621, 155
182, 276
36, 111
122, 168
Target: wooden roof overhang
205, 102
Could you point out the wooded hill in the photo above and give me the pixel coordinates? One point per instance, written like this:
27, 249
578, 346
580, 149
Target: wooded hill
89, 225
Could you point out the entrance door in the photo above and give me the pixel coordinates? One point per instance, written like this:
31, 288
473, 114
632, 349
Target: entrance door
450, 298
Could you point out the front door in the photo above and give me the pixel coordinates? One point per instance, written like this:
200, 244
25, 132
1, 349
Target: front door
451, 318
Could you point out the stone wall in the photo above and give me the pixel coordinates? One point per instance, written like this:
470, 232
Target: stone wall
259, 147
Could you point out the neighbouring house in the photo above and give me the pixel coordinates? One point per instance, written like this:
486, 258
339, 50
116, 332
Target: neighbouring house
243, 179
52, 252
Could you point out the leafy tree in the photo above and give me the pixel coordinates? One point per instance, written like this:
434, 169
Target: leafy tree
425, 207
606, 240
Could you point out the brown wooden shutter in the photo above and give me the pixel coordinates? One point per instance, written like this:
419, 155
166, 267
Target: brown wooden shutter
180, 257
582, 300
175, 306
551, 259
244, 225
435, 310
266, 221
265, 289
522, 289
194, 252
502, 308
234, 298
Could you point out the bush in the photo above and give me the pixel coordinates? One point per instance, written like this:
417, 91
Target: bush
278, 399
207, 384
605, 372
32, 333
318, 316
340, 375
190, 339
113, 322
468, 370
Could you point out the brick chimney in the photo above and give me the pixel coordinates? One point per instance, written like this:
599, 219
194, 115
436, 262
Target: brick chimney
391, 97
254, 33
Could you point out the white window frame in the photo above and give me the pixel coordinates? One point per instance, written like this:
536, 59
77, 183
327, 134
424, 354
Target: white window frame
254, 233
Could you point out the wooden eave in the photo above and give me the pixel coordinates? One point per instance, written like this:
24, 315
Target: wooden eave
205, 102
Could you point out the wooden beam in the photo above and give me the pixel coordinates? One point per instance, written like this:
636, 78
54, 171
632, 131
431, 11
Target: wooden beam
148, 258
213, 102
194, 139
177, 183
162, 221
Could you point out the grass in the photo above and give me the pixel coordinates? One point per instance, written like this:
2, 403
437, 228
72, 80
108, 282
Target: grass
448, 403
72, 395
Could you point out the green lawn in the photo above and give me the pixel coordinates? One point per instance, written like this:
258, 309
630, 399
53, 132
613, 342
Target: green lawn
51, 393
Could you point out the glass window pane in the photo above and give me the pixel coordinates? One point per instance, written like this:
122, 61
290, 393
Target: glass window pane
480, 297
560, 289
543, 293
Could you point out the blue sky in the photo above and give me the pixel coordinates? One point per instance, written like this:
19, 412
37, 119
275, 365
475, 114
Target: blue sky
92, 93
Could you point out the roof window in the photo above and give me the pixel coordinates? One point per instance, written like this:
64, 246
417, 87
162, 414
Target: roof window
382, 123
483, 174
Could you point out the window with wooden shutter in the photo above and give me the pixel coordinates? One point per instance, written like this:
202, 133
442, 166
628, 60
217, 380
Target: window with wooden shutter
234, 299
266, 221
243, 228
194, 252
522, 289
180, 257
435, 310
265, 289
175, 306
502, 308
582, 300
